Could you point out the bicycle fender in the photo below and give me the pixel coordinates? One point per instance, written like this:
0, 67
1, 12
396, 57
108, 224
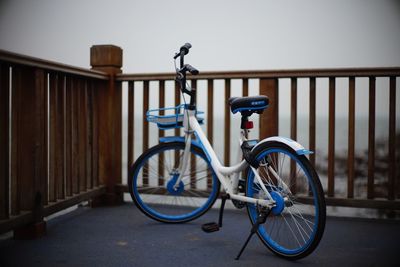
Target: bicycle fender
169, 139
298, 148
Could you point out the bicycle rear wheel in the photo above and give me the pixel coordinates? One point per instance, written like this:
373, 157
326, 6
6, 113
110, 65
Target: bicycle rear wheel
153, 177
296, 224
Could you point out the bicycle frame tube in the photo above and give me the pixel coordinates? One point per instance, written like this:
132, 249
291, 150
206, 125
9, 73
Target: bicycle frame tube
191, 125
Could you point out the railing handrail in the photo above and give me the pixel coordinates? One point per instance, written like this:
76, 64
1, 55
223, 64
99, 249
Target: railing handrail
289, 73
50, 65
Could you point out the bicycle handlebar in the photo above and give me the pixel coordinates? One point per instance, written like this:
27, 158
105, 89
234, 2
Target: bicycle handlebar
184, 50
181, 74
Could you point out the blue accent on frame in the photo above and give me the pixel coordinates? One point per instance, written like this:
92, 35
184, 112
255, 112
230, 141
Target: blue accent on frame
248, 108
200, 144
304, 152
169, 139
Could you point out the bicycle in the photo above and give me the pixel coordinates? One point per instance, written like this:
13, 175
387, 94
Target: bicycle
179, 179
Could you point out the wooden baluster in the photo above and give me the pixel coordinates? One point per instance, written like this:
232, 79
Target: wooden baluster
227, 140
95, 131
351, 138
131, 125
60, 150
89, 134
161, 134
68, 135
269, 123
245, 87
4, 140
53, 130
210, 120
293, 131
42, 134
82, 133
16, 101
392, 140
312, 122
371, 139
245, 93
331, 145
57, 145
293, 109
145, 129
75, 171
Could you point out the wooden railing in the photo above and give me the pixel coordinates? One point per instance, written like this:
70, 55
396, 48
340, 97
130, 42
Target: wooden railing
61, 129
268, 84
50, 138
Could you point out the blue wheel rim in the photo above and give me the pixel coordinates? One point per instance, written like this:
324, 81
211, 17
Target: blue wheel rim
174, 218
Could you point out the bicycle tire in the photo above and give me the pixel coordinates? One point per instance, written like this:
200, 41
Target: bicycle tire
296, 224
150, 184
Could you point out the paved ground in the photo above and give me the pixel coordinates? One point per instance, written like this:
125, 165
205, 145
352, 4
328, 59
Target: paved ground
122, 236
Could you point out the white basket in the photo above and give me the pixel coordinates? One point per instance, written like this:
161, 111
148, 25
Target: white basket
165, 120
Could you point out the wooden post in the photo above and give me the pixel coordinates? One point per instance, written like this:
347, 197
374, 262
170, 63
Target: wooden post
108, 58
269, 119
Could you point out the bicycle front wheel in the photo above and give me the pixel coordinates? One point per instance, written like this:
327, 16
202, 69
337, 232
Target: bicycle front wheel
295, 225
153, 183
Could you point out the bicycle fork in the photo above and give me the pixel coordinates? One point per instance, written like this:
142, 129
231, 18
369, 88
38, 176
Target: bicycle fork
183, 164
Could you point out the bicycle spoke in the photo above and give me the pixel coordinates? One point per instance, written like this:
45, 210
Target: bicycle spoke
291, 231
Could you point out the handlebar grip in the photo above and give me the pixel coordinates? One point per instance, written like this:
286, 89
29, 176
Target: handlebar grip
185, 48
191, 69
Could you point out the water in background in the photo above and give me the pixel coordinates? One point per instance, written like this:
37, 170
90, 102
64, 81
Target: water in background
341, 134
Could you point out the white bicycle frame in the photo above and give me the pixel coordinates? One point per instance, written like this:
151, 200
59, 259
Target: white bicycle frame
228, 176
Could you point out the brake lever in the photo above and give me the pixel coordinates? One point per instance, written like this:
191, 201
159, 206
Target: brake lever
179, 74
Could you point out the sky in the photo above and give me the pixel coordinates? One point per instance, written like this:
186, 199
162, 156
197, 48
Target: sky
226, 34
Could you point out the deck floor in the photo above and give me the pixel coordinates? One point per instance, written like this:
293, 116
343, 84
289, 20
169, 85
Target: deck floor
122, 236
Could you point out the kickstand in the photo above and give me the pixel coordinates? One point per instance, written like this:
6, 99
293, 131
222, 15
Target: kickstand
224, 197
262, 217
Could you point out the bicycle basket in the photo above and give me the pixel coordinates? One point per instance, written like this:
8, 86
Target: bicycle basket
169, 118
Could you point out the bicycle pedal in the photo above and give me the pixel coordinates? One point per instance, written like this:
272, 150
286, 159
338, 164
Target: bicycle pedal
210, 227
